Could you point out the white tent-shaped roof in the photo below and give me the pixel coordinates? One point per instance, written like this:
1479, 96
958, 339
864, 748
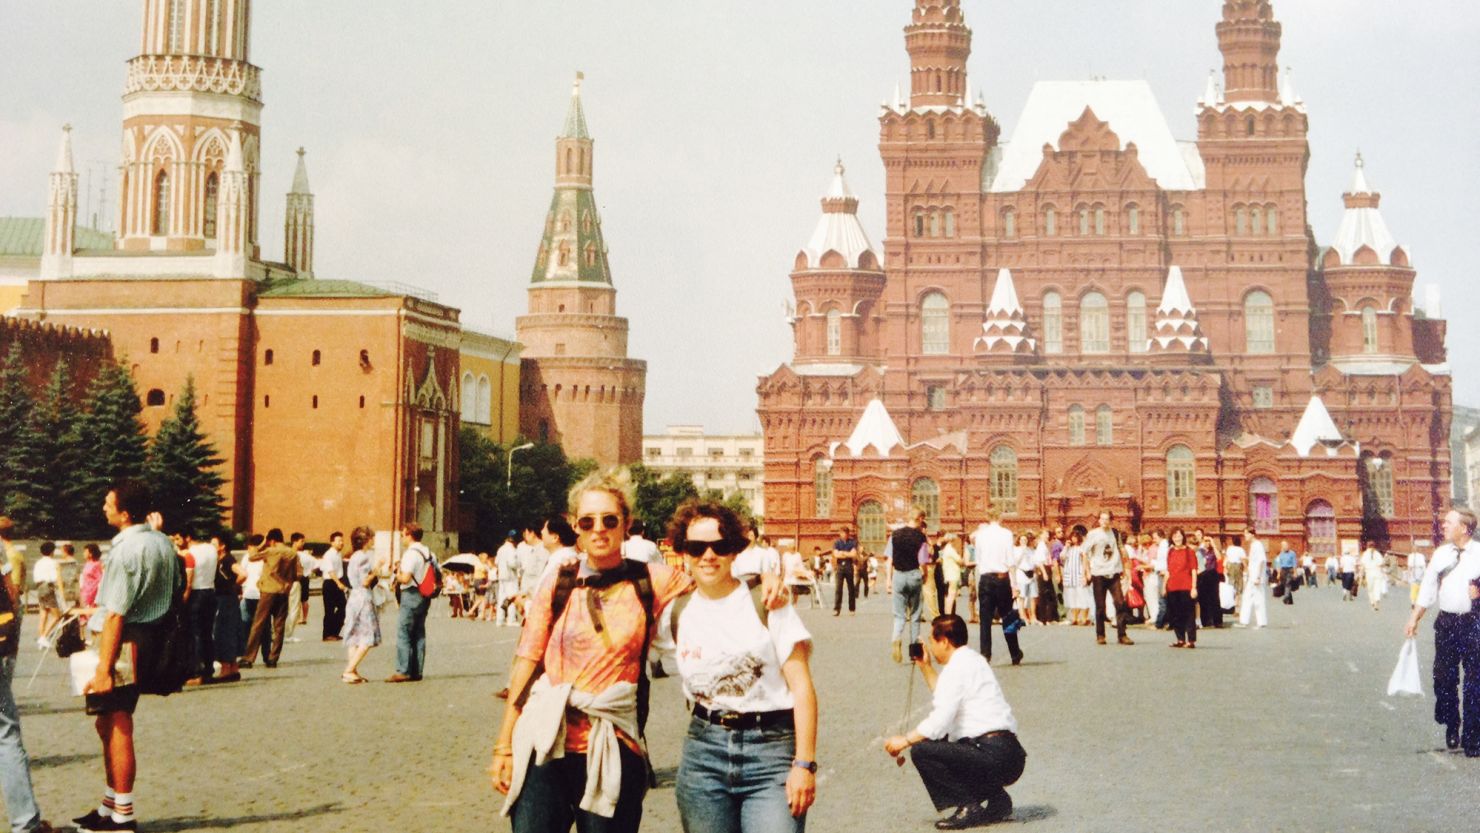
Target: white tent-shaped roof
1316, 426
875, 430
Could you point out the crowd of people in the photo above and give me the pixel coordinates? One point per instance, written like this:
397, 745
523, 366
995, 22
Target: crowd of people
599, 608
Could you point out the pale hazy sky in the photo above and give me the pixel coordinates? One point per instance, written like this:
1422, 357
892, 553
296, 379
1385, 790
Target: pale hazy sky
430, 128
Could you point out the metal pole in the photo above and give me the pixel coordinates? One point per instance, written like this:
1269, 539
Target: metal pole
509, 474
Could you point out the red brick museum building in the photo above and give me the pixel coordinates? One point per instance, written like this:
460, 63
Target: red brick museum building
1091, 313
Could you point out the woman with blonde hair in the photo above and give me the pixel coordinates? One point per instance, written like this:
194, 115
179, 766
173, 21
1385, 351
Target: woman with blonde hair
952, 564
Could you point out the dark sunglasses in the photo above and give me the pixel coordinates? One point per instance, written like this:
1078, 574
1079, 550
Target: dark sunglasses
586, 523
721, 548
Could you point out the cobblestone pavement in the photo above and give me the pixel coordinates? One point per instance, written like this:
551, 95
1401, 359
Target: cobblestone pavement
1284, 729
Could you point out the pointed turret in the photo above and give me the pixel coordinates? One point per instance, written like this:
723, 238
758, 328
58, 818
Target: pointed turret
1249, 38
839, 230
1288, 96
572, 248
232, 213
298, 223
1315, 427
1211, 96
61, 213
1362, 225
1177, 332
836, 278
939, 43
1006, 332
575, 117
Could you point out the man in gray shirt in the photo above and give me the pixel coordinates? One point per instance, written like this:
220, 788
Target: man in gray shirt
1104, 571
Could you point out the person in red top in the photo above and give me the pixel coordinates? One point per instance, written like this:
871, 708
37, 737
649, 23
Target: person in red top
1182, 590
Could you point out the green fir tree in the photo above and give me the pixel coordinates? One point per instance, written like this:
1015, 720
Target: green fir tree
46, 500
15, 411
114, 444
183, 471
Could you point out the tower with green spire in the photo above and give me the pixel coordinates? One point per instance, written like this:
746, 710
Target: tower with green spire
580, 388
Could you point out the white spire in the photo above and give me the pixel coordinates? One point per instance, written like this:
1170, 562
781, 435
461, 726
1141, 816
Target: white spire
300, 176
1287, 89
64, 152
898, 98
966, 99
838, 189
1004, 294
1316, 426
875, 430
1362, 224
1359, 177
838, 229
1174, 297
1210, 92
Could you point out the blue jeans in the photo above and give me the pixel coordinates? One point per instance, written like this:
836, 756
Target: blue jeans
735, 780
411, 633
15, 764
907, 586
551, 797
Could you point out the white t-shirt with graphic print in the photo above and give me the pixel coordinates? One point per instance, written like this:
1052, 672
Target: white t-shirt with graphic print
729, 661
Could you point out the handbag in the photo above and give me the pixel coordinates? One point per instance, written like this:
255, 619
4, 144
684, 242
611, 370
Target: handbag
69, 639
1279, 590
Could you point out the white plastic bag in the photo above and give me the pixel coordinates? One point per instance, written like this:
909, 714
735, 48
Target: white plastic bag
1225, 595
1405, 679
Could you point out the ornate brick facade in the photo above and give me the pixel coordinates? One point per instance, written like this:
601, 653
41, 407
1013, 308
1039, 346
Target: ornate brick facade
1094, 314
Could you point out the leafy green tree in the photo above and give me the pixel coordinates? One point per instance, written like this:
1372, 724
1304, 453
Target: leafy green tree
658, 497
15, 412
497, 498
114, 444
45, 460
182, 470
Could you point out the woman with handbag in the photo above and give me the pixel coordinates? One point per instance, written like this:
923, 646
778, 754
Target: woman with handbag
361, 618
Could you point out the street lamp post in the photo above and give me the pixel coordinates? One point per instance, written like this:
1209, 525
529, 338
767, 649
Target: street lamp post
509, 475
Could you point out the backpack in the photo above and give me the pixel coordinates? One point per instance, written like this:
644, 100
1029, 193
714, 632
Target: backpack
10, 623
757, 601
430, 585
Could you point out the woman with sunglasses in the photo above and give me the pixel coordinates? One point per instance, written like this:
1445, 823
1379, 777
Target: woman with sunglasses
576, 677
749, 757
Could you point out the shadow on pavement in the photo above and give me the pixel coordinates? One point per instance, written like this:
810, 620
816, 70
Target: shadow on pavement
206, 823
1033, 812
1026, 664
60, 760
666, 777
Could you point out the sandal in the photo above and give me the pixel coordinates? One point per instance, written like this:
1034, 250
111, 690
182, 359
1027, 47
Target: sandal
351, 679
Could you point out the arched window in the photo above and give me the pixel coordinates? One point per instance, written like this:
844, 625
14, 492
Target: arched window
935, 325
919, 223
1094, 324
834, 333
1241, 221
822, 488
315, 402
316, 359
1009, 223
1004, 484
1099, 221
1076, 425
1320, 528
872, 532
590, 255
1133, 218
1181, 481
1264, 508
1256, 221
1053, 323
950, 222
213, 192
563, 257
469, 397
1050, 222
935, 223
483, 411
161, 223
1380, 484
1135, 321
1179, 221
154, 345
1369, 330
925, 496
154, 398
1272, 219
1083, 221
1104, 425
1259, 322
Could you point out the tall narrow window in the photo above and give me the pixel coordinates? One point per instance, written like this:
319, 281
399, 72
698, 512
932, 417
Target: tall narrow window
1380, 484
177, 26
469, 397
213, 191
1094, 324
1256, 221
1076, 425
1009, 223
1369, 330
213, 29
1259, 322
1083, 221
935, 325
1272, 219
919, 224
161, 223
1104, 425
483, 406
834, 333
1050, 222
1004, 484
935, 223
316, 358
822, 488
1181, 481
1179, 222
872, 532
1133, 219
1135, 322
1264, 506
925, 496
1099, 221
1053, 323
950, 223
1241, 221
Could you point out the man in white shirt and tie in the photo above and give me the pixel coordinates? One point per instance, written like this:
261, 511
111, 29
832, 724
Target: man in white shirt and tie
966, 750
996, 561
1451, 582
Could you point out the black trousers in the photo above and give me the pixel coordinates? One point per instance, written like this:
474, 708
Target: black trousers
201, 610
1100, 585
1209, 606
1456, 646
333, 608
272, 612
551, 797
994, 598
969, 771
844, 574
1182, 615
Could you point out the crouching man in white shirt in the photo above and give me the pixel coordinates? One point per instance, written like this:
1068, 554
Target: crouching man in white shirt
966, 750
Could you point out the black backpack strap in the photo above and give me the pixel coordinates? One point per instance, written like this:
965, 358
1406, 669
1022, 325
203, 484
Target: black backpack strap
565, 583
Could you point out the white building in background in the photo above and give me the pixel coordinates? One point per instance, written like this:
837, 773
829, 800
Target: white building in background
1471, 473
728, 462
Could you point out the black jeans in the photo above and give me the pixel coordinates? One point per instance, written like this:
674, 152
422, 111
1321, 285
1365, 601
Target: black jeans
1181, 615
994, 598
1456, 644
844, 574
201, 610
549, 801
969, 771
333, 608
1099, 585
